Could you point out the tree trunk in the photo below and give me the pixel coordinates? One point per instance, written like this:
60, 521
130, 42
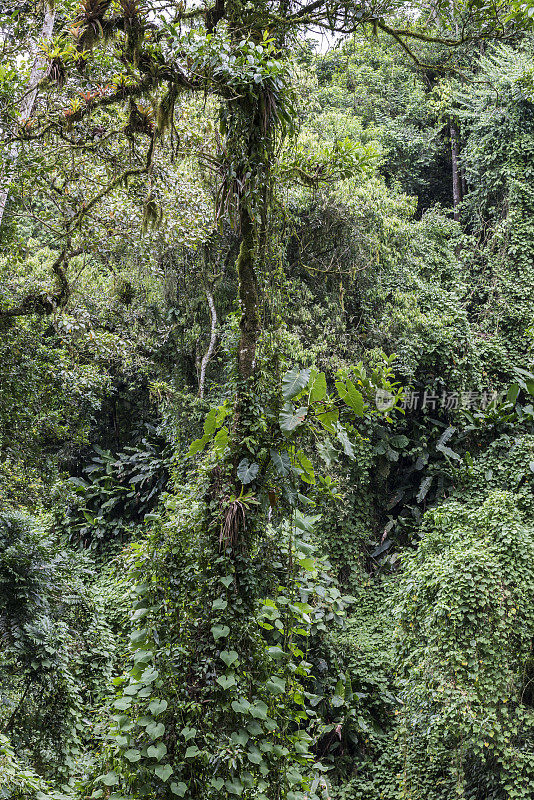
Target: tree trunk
456, 185
26, 107
248, 297
209, 352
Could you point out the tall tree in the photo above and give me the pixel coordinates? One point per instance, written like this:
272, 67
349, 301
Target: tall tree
26, 104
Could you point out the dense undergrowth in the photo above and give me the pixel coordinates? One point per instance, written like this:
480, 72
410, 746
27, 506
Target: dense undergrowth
314, 581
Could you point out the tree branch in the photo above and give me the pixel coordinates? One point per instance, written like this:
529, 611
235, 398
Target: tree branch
46, 303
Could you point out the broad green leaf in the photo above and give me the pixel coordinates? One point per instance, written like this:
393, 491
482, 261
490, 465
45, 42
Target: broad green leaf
354, 399
240, 737
318, 387
276, 685
219, 604
512, 393
235, 786
306, 522
149, 675
229, 657
157, 750
294, 382
110, 779
123, 703
247, 471
192, 751
209, 423
343, 438
281, 462
291, 417
329, 420
308, 475
423, 488
254, 728
241, 706
157, 707
275, 652
132, 755
341, 389
259, 710
400, 442
179, 789
163, 771
220, 632
155, 729
220, 442
255, 757
226, 681
327, 451
449, 453
198, 445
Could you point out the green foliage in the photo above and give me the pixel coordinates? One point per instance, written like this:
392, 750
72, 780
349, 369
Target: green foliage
17, 781
56, 646
117, 493
499, 123
464, 653
242, 669
255, 671
372, 89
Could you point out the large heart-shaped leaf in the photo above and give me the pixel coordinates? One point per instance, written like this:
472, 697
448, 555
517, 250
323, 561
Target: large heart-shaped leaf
155, 729
163, 771
157, 707
210, 422
220, 631
328, 420
226, 681
221, 441
291, 417
241, 706
198, 445
157, 750
247, 471
235, 787
281, 462
254, 756
327, 451
294, 382
229, 657
259, 710
179, 789
123, 703
275, 652
307, 474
